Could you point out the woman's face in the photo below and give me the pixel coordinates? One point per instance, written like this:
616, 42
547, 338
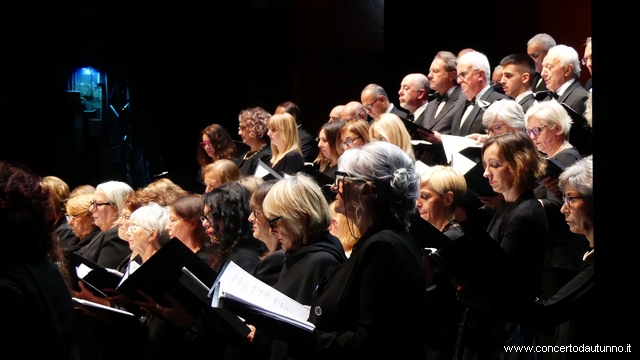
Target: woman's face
323, 145
276, 138
260, 226
578, 212
497, 170
431, 204
207, 222
499, 127
81, 224
104, 214
179, 227
123, 224
376, 136
341, 187
282, 230
351, 140
245, 133
212, 180
549, 138
207, 146
139, 238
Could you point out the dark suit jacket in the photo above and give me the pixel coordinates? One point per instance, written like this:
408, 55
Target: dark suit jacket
542, 87
308, 145
473, 124
527, 102
401, 113
442, 123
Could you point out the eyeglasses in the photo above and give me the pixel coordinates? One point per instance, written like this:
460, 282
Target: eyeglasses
585, 60
124, 217
95, 204
204, 144
569, 199
462, 76
493, 129
342, 176
273, 223
349, 141
380, 138
538, 129
370, 106
73, 217
132, 228
173, 223
207, 217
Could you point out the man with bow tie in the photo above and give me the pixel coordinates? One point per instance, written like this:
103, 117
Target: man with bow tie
560, 71
442, 79
473, 76
537, 49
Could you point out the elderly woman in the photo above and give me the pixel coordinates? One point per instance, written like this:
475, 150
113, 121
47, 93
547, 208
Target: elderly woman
144, 229
34, 297
548, 124
388, 127
285, 144
220, 172
377, 188
501, 116
81, 222
107, 249
353, 134
327, 160
253, 131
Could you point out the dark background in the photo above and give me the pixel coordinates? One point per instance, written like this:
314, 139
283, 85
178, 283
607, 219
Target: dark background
184, 65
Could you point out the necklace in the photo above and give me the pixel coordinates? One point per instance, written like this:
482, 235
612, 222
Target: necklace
452, 223
247, 156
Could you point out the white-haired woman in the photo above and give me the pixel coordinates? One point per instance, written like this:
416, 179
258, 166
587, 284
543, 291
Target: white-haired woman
107, 249
373, 306
144, 229
501, 116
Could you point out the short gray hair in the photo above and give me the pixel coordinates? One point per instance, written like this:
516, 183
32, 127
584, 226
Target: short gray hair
478, 61
579, 176
391, 171
507, 111
115, 192
567, 56
550, 113
376, 90
449, 58
151, 216
543, 39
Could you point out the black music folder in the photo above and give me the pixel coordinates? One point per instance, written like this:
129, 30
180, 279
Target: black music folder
95, 277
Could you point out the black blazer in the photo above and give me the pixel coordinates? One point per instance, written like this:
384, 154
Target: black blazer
473, 124
106, 249
442, 123
527, 102
541, 87
401, 113
291, 163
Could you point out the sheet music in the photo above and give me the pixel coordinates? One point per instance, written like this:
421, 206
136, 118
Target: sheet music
453, 144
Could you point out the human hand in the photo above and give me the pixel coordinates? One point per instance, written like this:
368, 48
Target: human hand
434, 138
479, 138
491, 201
552, 186
86, 294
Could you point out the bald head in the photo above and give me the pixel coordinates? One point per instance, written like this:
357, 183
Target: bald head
353, 110
414, 91
335, 113
464, 51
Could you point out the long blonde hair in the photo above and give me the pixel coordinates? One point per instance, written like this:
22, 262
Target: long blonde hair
391, 128
286, 124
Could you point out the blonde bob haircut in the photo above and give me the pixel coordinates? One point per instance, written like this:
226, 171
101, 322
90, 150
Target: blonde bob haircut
393, 130
79, 204
225, 169
300, 203
444, 179
286, 124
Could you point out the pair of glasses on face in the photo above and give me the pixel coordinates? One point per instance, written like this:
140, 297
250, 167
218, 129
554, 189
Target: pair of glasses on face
538, 129
132, 228
204, 144
568, 200
95, 204
208, 217
349, 142
74, 217
463, 75
342, 177
494, 129
174, 223
370, 106
273, 223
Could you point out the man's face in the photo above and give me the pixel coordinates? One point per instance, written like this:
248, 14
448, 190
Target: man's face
409, 94
554, 74
374, 105
496, 77
513, 81
537, 53
587, 57
440, 79
470, 80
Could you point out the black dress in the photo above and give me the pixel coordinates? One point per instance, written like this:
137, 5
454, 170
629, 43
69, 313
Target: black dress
249, 161
291, 163
106, 249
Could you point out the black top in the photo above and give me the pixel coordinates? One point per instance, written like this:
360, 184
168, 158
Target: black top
73, 247
106, 249
64, 234
308, 145
248, 161
268, 270
291, 163
521, 229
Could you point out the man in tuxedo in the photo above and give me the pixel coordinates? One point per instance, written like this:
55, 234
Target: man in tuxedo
376, 102
353, 110
537, 48
517, 73
588, 62
561, 70
473, 76
308, 144
414, 96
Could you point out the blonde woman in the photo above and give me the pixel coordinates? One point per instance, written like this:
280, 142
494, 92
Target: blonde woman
390, 128
353, 134
285, 144
219, 173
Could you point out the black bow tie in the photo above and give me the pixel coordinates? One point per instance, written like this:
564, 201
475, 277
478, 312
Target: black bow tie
541, 95
410, 117
554, 95
470, 102
441, 98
